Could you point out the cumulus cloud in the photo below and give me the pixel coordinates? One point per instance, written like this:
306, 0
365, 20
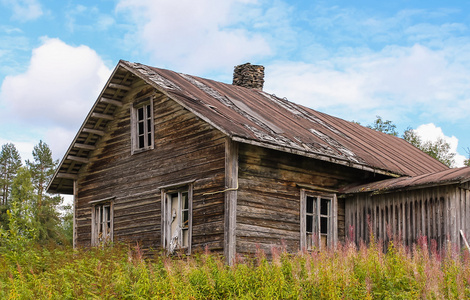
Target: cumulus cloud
52, 97
24, 10
397, 79
430, 132
198, 37
58, 88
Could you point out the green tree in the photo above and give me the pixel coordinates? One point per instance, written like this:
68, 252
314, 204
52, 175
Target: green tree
45, 207
384, 126
439, 149
467, 161
20, 230
10, 162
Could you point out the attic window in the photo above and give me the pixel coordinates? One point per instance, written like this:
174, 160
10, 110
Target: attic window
142, 125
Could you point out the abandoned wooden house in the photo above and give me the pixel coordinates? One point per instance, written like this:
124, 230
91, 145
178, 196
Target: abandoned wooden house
176, 161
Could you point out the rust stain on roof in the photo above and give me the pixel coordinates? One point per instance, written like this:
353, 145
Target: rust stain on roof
248, 116
450, 176
257, 116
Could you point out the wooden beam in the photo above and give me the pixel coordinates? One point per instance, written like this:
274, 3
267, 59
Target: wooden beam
102, 116
119, 86
66, 176
94, 131
84, 146
111, 101
78, 158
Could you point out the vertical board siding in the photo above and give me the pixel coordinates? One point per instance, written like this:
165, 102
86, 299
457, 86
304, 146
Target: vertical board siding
434, 213
186, 148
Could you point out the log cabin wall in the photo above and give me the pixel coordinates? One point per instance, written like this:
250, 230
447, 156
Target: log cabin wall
185, 149
437, 213
268, 204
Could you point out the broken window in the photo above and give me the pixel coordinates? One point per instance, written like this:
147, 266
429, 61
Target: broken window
318, 222
177, 219
142, 125
102, 224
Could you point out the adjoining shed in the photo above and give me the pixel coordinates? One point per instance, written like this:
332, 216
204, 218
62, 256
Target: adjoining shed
435, 206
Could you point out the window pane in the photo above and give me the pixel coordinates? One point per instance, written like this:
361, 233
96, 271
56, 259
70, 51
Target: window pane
185, 222
141, 128
324, 225
149, 139
185, 200
141, 141
325, 207
310, 204
148, 111
140, 114
309, 224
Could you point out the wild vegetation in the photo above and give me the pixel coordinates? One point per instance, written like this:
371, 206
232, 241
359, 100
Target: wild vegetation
121, 272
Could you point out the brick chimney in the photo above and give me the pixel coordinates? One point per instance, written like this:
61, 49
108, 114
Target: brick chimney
249, 76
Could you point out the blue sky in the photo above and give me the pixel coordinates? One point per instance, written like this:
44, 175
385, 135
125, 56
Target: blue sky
407, 61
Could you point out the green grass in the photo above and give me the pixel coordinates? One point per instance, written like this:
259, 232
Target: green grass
120, 272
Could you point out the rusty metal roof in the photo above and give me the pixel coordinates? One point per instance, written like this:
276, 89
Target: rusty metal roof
446, 177
249, 116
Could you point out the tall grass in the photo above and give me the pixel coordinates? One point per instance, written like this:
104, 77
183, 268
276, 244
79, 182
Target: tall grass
348, 272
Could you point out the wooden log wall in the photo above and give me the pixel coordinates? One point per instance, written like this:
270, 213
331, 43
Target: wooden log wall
268, 204
186, 149
436, 213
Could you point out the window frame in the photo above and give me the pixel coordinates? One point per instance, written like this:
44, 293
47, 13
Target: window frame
168, 218
97, 223
147, 121
317, 215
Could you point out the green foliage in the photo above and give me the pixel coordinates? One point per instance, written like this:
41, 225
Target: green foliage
384, 126
438, 149
467, 161
30, 213
10, 162
120, 272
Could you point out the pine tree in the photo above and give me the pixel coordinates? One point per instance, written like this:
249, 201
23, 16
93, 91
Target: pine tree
45, 207
10, 162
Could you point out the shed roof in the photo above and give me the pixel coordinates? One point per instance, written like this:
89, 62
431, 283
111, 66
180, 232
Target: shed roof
249, 116
446, 177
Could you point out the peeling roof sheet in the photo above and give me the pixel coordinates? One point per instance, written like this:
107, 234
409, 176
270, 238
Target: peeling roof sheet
450, 176
248, 116
257, 117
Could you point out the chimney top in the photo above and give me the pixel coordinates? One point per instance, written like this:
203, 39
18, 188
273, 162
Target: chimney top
249, 76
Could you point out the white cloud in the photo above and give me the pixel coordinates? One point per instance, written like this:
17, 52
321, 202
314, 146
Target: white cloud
52, 97
196, 36
58, 139
397, 80
24, 10
430, 132
59, 86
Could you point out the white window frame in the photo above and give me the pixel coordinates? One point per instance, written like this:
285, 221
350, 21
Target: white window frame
317, 215
142, 127
173, 229
102, 223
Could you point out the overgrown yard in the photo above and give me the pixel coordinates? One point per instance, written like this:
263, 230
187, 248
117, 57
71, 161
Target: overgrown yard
120, 272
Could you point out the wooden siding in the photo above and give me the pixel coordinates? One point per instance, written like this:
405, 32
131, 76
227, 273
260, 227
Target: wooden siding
437, 213
268, 204
185, 149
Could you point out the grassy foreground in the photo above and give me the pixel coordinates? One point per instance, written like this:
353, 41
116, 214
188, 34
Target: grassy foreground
120, 272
